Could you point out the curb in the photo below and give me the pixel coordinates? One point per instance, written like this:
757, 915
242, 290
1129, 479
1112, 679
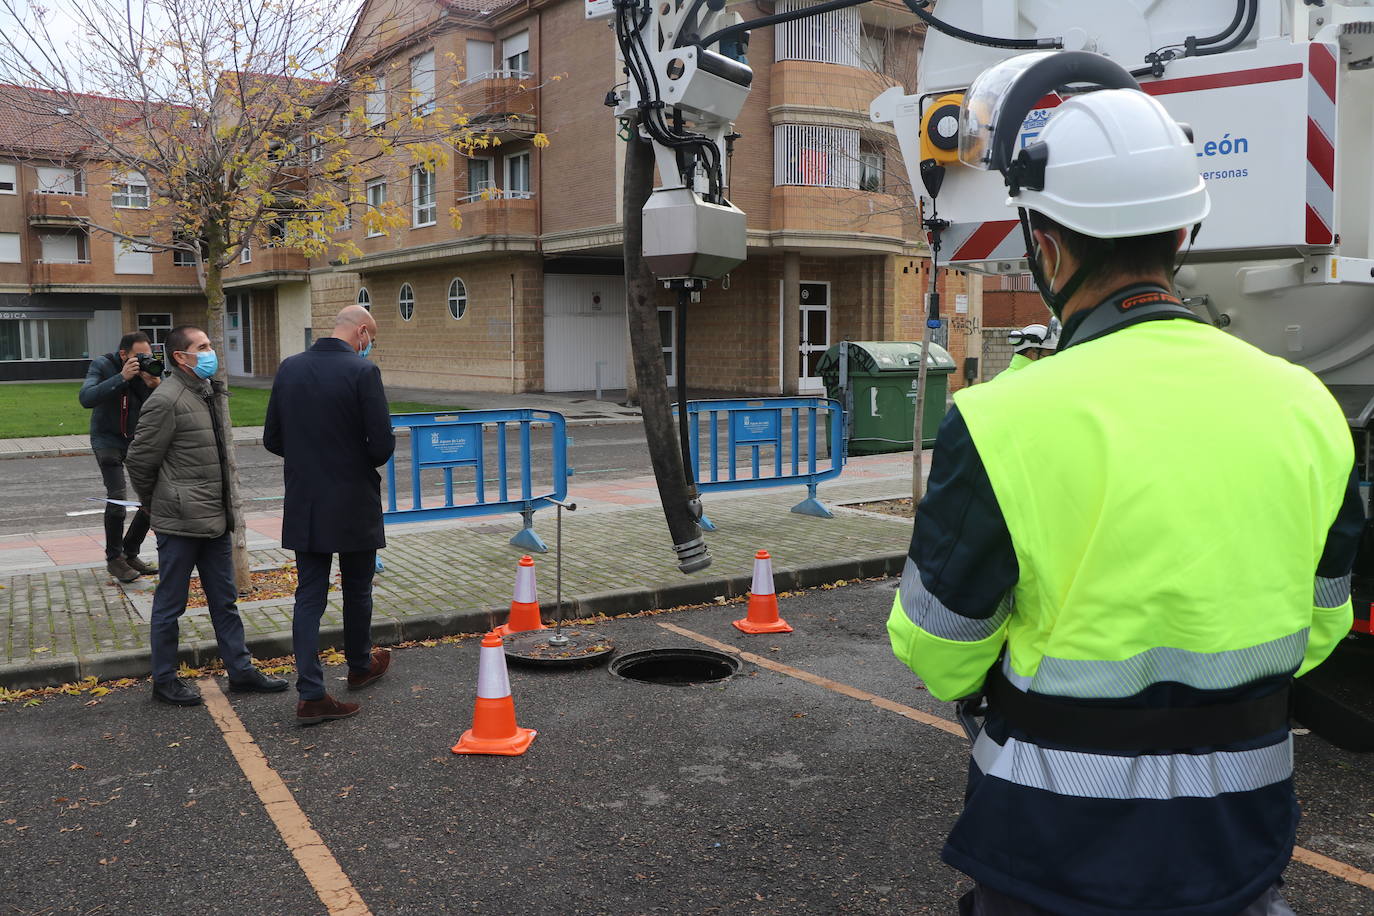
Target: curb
387, 630
257, 440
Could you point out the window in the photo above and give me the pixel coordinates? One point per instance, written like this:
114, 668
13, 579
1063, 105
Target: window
870, 170
376, 102
422, 83
828, 38
405, 302
59, 181
346, 223
64, 248
515, 50
424, 207
376, 199
481, 60
872, 52
518, 176
44, 338
479, 177
183, 258
365, 298
9, 248
246, 254
130, 190
818, 157
457, 298
316, 149
157, 325
9, 178
133, 256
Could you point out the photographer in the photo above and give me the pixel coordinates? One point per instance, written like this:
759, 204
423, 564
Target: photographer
116, 386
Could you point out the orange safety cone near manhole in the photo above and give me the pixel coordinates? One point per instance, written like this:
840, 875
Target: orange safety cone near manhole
763, 603
493, 718
524, 609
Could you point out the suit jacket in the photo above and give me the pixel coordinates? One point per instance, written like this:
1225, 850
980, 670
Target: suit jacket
328, 417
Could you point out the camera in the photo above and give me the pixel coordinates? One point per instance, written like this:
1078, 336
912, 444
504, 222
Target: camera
150, 364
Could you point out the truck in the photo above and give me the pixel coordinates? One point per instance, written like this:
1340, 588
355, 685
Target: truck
1279, 98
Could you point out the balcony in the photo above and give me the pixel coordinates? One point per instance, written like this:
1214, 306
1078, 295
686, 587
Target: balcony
61, 273
867, 219
501, 101
58, 209
272, 261
803, 90
501, 213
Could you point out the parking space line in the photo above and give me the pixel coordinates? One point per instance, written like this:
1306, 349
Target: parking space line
322, 870
916, 715
1307, 857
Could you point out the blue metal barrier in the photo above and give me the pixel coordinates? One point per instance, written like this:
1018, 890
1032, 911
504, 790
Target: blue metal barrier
786, 425
462, 439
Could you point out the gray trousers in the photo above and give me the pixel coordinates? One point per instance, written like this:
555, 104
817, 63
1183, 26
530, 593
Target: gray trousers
983, 901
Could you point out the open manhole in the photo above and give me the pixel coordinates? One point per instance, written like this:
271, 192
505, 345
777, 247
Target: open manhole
676, 666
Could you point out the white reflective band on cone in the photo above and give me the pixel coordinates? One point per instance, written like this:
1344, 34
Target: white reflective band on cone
763, 578
524, 585
493, 683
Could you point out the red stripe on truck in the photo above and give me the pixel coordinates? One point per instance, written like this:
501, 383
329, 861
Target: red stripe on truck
985, 240
1223, 80
1322, 64
1318, 232
1321, 153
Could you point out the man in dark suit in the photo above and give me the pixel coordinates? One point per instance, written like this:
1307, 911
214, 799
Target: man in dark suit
328, 417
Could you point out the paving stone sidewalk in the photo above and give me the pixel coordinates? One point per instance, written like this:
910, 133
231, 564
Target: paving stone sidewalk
60, 625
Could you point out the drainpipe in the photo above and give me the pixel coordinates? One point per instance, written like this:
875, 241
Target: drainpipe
512, 335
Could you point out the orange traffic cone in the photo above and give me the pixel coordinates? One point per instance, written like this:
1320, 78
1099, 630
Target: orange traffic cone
493, 718
763, 603
524, 609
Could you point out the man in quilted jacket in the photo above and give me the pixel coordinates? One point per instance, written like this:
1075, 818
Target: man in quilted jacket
179, 466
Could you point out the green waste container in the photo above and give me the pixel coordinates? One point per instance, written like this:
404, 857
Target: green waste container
882, 380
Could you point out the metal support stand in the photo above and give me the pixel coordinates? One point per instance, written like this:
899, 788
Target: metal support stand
811, 505
526, 539
561, 648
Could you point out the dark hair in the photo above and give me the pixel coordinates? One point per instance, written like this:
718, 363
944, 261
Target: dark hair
179, 338
1132, 256
127, 342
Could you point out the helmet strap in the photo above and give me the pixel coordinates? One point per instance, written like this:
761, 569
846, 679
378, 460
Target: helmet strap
1192, 237
1056, 301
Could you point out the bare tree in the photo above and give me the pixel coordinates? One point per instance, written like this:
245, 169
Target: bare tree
247, 124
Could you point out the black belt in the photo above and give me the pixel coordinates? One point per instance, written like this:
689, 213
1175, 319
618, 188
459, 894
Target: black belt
1055, 721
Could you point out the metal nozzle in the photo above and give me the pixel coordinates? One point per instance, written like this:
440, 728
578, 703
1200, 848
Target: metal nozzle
692, 556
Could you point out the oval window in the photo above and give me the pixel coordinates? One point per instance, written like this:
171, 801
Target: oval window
406, 302
457, 298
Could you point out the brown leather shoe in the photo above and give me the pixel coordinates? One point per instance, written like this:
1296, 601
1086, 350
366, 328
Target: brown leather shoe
313, 712
381, 660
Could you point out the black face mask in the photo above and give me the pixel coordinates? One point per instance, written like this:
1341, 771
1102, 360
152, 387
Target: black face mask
1056, 301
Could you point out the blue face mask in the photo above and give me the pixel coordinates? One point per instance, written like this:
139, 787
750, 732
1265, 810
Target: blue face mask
207, 363
367, 349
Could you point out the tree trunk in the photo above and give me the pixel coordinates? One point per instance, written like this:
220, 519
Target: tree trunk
214, 326
652, 382
917, 449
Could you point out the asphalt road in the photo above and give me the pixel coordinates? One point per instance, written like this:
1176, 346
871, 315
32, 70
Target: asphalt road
761, 794
37, 494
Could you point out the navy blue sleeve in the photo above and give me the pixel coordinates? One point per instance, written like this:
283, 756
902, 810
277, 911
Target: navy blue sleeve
961, 544
1343, 540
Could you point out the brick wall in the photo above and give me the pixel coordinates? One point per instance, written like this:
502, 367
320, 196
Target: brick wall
997, 353
434, 350
266, 339
1014, 308
330, 291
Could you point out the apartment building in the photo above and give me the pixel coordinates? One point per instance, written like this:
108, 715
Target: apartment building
68, 291
528, 293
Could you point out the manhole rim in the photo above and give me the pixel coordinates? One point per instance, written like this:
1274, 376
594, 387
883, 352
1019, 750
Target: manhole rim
732, 662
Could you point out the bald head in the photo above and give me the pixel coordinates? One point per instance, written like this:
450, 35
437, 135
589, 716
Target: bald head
356, 327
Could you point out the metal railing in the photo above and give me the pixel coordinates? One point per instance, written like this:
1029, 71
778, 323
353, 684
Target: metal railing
479, 440
499, 75
789, 428
495, 194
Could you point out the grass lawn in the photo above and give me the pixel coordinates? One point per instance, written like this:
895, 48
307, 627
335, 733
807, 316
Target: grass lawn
51, 409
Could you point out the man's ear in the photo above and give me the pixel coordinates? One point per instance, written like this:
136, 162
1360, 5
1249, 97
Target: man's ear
1181, 237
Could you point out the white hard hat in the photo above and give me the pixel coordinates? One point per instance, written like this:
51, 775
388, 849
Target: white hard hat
1116, 165
1033, 337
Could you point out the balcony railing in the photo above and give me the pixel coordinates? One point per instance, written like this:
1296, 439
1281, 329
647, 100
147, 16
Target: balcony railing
64, 208
57, 272
495, 194
815, 157
830, 38
498, 75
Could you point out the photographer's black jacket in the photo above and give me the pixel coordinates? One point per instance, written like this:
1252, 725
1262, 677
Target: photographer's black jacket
114, 402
